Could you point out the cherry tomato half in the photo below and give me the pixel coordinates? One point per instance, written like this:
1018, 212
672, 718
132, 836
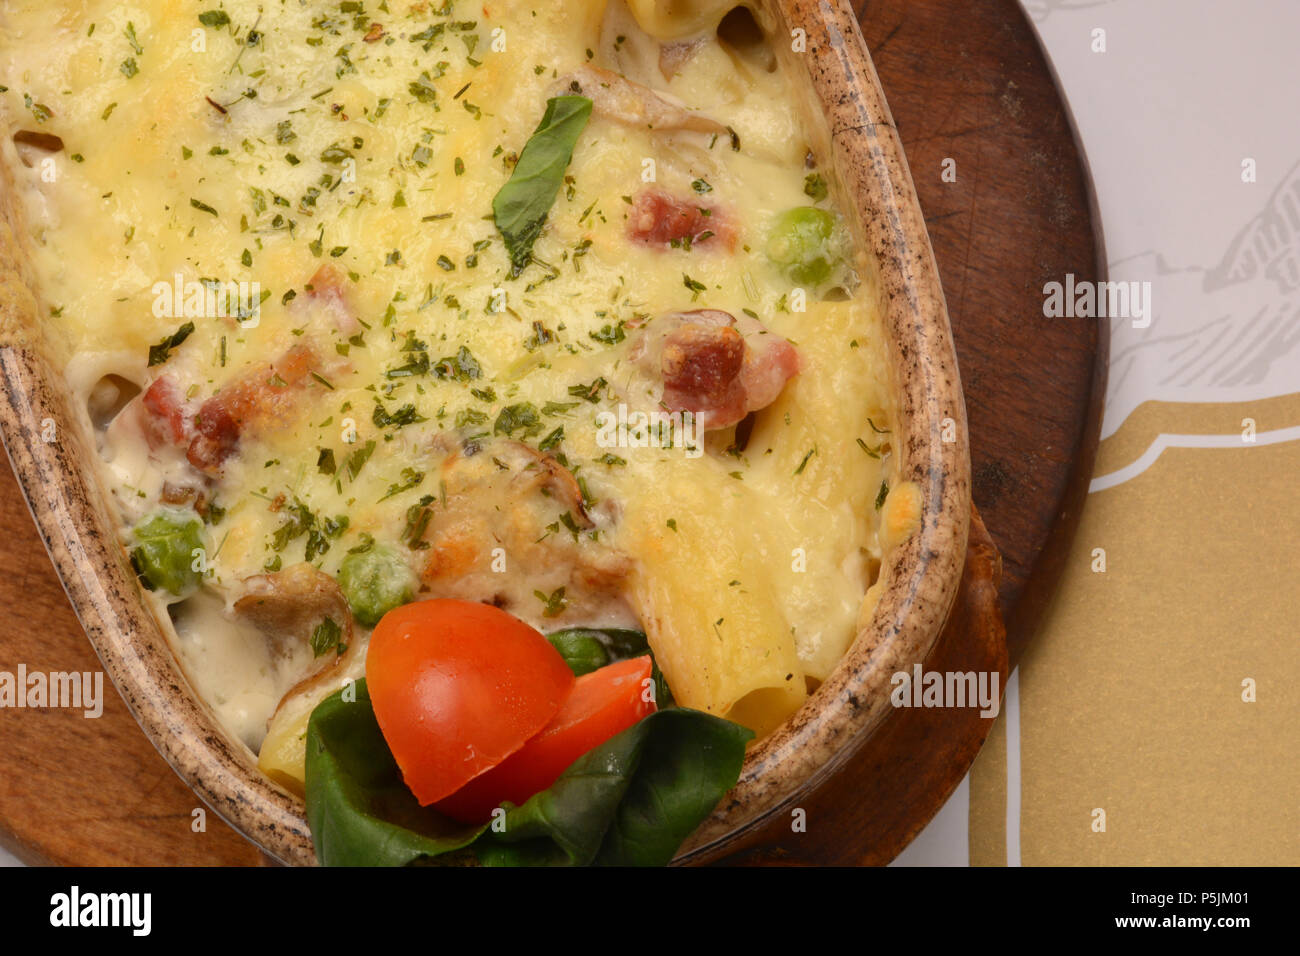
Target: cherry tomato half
603, 703
458, 687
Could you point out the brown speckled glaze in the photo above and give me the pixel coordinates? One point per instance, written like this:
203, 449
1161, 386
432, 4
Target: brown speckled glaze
73, 513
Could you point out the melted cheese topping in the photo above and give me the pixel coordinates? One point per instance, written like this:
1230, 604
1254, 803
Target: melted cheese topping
274, 138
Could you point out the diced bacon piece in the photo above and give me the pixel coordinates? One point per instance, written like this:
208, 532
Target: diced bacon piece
326, 290
162, 416
658, 219
770, 362
262, 398
701, 366
217, 438
714, 366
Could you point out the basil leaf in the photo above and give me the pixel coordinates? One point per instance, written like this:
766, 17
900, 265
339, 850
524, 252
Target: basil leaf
630, 802
524, 202
359, 810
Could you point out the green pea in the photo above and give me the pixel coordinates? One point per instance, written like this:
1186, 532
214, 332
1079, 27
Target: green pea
375, 581
169, 550
800, 242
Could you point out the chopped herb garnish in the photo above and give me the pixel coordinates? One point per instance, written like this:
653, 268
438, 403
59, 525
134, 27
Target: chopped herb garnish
325, 638
162, 351
423, 89
589, 392
814, 187
559, 408
609, 334
873, 452
522, 417
335, 155
406, 415
410, 479
461, 367
470, 416
357, 460
552, 440
129, 33
417, 520
40, 111
554, 602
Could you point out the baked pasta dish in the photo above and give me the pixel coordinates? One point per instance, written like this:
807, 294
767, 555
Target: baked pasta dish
489, 392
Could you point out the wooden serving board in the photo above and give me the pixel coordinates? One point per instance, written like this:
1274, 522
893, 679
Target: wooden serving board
966, 82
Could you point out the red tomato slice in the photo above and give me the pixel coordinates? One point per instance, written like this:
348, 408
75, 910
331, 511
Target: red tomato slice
457, 688
603, 703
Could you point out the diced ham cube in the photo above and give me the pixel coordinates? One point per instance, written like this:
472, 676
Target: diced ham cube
658, 219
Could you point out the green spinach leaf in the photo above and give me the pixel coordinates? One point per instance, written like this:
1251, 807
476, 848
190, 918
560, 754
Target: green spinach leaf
524, 202
630, 802
581, 649
359, 810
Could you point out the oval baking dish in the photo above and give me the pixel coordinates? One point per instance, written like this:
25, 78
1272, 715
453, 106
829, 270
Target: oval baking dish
50, 443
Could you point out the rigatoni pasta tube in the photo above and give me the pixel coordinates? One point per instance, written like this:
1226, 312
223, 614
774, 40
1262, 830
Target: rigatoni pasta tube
705, 600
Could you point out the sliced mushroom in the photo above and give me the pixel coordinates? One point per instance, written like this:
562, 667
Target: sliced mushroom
289, 606
673, 56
